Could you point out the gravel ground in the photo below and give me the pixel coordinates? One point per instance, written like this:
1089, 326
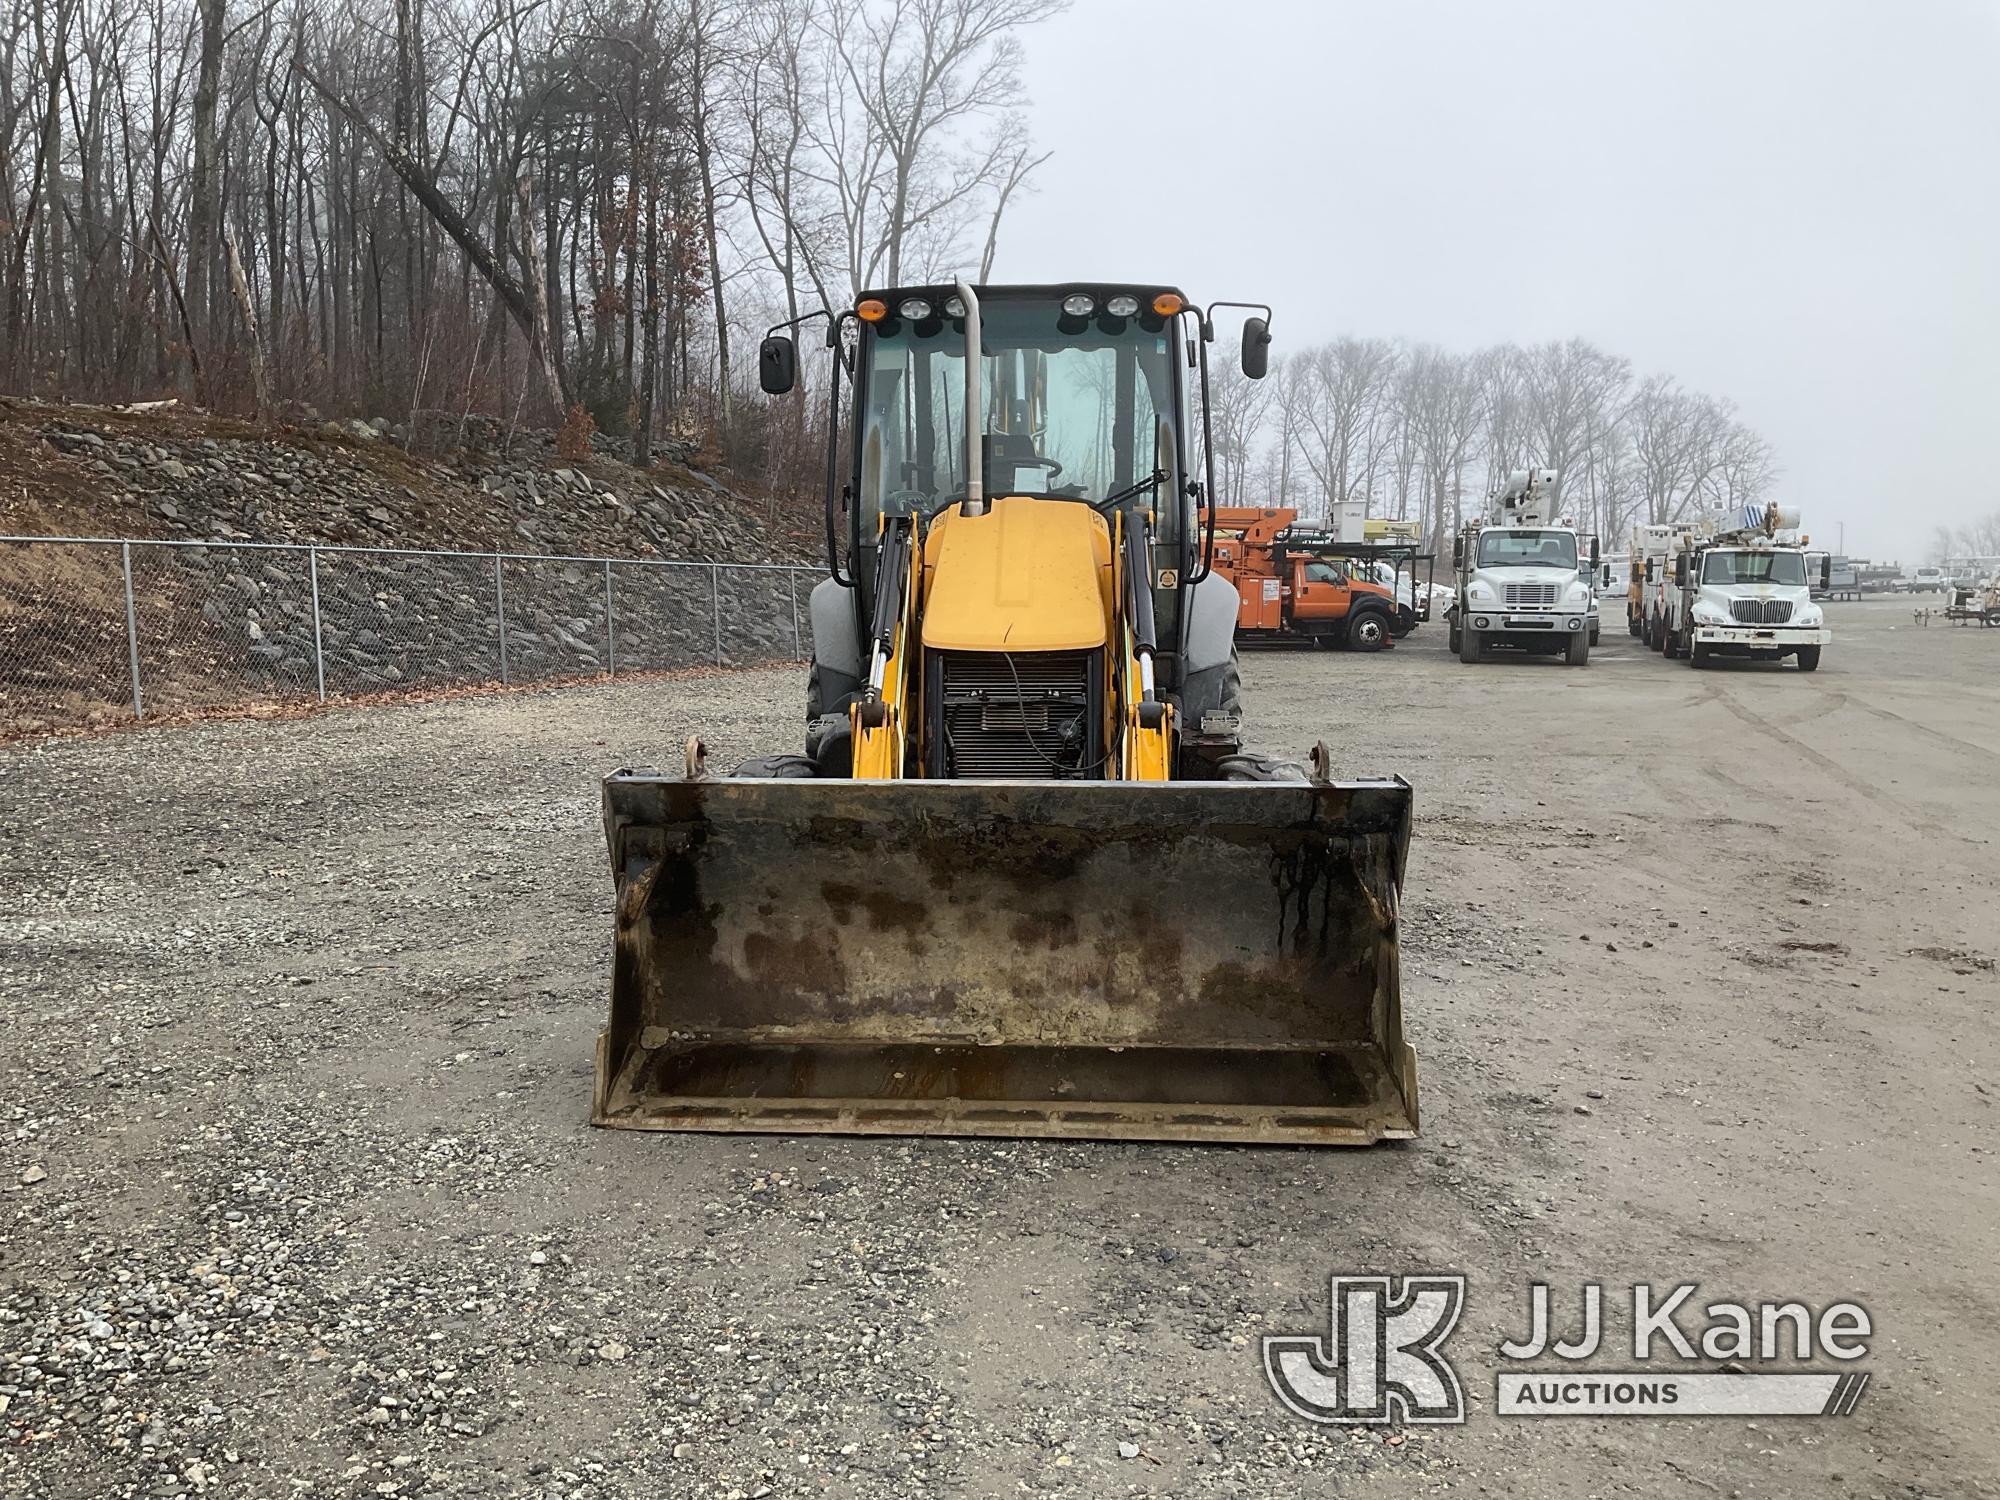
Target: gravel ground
299, 1198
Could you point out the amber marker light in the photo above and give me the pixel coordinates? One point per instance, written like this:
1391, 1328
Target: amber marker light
873, 310
1167, 304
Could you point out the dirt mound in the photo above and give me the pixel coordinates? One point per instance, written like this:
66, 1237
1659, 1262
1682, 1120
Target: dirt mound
105, 471
220, 619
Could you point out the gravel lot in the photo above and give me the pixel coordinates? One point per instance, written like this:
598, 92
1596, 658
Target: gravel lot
299, 1198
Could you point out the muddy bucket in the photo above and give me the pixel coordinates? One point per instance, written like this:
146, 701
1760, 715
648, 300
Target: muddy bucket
1192, 961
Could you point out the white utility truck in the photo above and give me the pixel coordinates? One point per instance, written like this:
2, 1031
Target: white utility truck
1744, 592
1520, 580
1652, 560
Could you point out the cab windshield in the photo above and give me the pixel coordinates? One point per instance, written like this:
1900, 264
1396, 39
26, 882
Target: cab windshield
1754, 567
1527, 549
1078, 408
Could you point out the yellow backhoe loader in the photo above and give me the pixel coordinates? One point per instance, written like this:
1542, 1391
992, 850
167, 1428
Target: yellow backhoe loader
1024, 880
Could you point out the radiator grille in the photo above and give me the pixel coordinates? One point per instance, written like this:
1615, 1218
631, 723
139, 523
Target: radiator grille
1026, 717
1529, 596
1761, 611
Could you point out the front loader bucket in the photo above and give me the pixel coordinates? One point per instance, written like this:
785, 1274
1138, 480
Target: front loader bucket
1209, 961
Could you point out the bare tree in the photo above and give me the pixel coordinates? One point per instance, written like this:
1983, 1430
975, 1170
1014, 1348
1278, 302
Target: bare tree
1349, 382
1238, 406
1445, 410
916, 76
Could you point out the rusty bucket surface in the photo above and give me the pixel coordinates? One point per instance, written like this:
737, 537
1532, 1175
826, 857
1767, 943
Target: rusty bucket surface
1124, 960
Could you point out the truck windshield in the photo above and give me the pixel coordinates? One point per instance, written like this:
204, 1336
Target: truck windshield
1754, 567
1527, 549
1075, 408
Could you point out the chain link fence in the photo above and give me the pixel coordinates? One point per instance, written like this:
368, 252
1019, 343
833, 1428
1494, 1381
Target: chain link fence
97, 630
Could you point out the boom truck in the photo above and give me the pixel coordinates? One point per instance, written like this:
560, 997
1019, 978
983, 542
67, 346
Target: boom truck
1025, 879
1521, 582
1742, 590
1301, 584
1652, 548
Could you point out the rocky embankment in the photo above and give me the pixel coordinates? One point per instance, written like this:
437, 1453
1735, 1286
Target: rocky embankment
222, 619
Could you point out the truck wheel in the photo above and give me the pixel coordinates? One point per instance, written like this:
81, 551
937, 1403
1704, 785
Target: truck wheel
1576, 650
1698, 655
1368, 630
1633, 625
1595, 630
1468, 646
1666, 640
1451, 634
1809, 658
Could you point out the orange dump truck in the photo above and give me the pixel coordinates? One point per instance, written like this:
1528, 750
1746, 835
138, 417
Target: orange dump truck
1291, 587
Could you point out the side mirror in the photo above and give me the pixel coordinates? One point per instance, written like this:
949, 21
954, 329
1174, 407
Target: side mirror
1594, 551
777, 364
1457, 552
1681, 571
1652, 570
1825, 574
1256, 347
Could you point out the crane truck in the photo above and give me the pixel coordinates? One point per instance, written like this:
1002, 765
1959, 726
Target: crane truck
1293, 583
1743, 591
1520, 581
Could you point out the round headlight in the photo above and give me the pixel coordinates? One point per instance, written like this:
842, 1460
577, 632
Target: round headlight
916, 309
1479, 622
1575, 622
954, 307
1122, 306
1079, 305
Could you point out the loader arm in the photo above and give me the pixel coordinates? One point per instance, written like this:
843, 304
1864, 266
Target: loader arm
881, 716
1148, 727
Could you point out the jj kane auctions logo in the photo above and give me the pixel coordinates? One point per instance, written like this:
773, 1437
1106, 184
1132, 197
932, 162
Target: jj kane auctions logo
1382, 1358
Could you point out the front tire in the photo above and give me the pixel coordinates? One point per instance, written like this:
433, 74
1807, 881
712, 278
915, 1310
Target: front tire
1468, 646
1451, 635
1576, 650
1809, 658
1595, 630
1368, 631
1698, 655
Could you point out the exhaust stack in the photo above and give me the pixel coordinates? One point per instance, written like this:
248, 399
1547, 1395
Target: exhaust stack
975, 409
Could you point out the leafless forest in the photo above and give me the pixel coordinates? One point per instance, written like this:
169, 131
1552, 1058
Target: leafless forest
539, 209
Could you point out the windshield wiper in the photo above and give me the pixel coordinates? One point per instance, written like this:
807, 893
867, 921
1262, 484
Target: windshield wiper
1151, 482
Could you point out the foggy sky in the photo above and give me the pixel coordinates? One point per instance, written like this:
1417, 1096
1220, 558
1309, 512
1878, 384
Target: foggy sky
1788, 202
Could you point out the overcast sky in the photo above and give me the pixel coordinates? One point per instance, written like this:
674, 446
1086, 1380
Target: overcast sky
1793, 203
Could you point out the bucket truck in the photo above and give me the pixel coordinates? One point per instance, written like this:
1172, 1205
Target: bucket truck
1744, 591
1520, 581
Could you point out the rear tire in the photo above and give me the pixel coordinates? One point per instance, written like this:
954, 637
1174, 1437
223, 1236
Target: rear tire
1633, 624
1469, 646
1367, 630
1576, 650
1809, 658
